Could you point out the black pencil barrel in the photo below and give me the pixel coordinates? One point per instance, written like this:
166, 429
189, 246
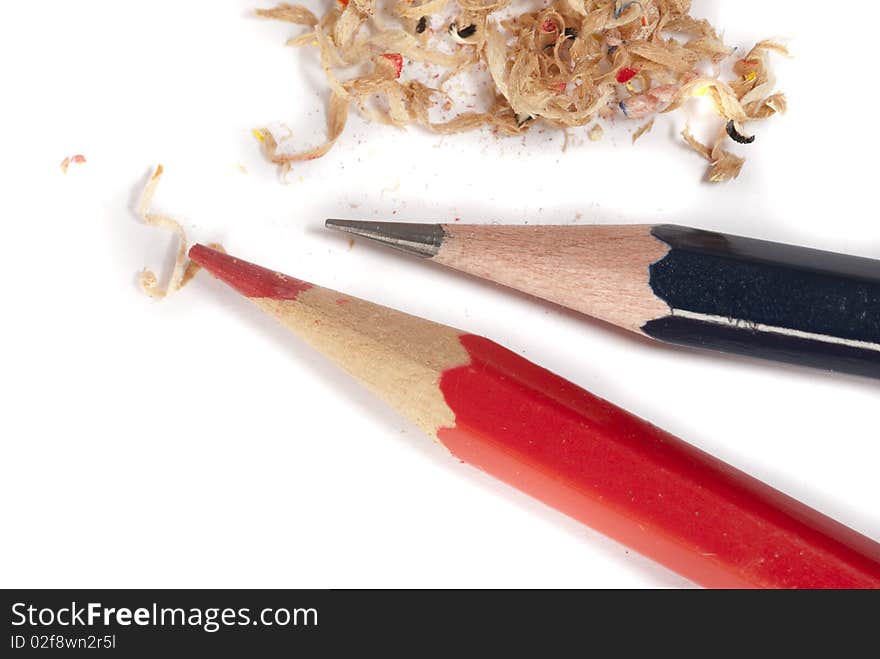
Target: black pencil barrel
768, 300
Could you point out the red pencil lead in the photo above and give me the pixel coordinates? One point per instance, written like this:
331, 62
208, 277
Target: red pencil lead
248, 279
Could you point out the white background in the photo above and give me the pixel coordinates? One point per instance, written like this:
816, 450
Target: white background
191, 442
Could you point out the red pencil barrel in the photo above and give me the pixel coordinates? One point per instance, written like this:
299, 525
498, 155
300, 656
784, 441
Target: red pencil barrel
640, 485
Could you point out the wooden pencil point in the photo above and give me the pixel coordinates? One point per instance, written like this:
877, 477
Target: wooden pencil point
398, 356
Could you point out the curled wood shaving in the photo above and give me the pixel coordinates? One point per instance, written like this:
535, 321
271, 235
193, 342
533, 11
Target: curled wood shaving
565, 65
337, 116
184, 270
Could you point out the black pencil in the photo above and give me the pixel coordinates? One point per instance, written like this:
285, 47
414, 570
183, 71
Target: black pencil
675, 284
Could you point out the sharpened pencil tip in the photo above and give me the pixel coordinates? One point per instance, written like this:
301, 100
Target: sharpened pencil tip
422, 239
248, 279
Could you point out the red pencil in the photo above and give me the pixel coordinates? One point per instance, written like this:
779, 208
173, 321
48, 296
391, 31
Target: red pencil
578, 453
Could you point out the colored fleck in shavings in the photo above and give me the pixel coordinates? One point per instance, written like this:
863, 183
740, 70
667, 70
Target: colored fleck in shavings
571, 63
396, 60
78, 159
626, 74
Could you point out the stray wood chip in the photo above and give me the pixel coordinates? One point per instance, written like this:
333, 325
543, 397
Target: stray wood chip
296, 14
596, 133
78, 159
725, 166
646, 128
563, 65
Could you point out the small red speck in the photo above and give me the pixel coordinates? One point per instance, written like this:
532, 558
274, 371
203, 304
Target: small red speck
344, 3
548, 26
560, 87
397, 60
342, 300
626, 74
644, 21
317, 322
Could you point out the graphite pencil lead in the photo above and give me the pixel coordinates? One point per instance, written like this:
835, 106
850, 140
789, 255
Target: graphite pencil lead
421, 239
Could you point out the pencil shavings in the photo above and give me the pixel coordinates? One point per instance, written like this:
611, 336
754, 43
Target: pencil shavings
725, 166
183, 270
565, 65
78, 159
296, 14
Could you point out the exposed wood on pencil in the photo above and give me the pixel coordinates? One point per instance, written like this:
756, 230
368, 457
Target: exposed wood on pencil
572, 450
675, 284
599, 271
399, 357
